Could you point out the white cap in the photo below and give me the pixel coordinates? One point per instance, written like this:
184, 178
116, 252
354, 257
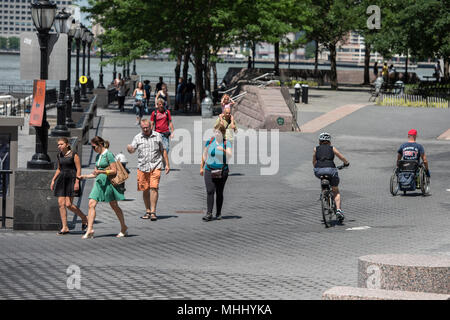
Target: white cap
121, 158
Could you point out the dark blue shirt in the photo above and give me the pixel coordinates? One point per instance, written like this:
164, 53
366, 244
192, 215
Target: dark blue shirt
411, 151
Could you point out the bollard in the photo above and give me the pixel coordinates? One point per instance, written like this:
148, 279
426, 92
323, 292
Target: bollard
297, 93
207, 106
305, 93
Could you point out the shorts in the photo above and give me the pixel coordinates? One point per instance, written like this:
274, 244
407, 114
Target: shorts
165, 142
148, 180
333, 172
139, 108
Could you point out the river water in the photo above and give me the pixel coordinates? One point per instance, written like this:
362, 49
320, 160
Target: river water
148, 69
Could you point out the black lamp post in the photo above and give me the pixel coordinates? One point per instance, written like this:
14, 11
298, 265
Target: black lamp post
90, 83
114, 73
43, 13
76, 90
62, 27
70, 35
134, 68
100, 76
84, 34
124, 71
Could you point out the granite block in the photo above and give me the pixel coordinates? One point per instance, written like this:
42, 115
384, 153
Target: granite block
350, 293
419, 273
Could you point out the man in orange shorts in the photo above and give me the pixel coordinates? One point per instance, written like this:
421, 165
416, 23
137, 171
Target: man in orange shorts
151, 152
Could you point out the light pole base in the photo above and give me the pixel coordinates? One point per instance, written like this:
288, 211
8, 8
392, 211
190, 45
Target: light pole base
60, 131
40, 161
70, 123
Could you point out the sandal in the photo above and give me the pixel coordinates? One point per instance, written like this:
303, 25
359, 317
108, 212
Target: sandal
146, 216
153, 216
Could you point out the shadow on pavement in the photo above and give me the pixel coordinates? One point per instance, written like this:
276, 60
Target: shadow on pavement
231, 217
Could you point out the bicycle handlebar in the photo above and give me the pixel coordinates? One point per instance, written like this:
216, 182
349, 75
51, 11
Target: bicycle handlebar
343, 166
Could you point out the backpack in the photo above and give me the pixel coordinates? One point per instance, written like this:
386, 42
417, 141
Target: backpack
407, 181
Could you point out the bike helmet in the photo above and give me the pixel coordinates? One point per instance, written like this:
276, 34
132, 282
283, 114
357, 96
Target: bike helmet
324, 136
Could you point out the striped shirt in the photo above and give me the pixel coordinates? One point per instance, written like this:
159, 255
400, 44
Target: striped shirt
150, 151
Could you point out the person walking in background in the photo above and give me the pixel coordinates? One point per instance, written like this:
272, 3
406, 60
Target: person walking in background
140, 96
375, 69
151, 154
226, 102
148, 90
161, 121
385, 73
158, 86
227, 120
65, 184
163, 94
104, 190
121, 94
215, 170
117, 81
189, 95
179, 96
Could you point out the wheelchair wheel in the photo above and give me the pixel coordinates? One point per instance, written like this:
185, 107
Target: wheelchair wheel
424, 182
394, 184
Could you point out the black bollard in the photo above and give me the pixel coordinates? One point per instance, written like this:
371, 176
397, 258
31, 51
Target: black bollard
305, 93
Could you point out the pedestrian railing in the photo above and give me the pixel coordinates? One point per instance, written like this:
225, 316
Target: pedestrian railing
409, 100
292, 107
4, 174
15, 107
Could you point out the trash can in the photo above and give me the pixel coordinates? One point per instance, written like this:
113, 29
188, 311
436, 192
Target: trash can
207, 106
297, 93
305, 93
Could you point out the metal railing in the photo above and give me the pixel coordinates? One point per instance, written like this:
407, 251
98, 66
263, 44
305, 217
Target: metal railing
18, 107
5, 184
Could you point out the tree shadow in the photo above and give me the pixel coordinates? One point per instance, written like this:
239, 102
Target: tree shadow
231, 217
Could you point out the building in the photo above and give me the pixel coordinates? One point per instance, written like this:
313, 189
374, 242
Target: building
15, 16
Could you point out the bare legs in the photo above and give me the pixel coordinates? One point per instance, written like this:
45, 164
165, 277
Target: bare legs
150, 197
91, 218
65, 203
337, 197
115, 206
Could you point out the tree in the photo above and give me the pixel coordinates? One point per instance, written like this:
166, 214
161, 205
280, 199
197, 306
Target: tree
14, 43
3, 43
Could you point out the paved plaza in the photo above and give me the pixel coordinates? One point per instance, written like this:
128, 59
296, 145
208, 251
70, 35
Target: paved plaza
271, 243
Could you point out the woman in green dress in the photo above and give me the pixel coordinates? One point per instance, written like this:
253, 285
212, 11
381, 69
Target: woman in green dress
104, 190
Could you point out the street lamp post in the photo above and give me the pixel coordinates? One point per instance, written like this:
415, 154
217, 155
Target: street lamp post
114, 73
124, 71
43, 13
70, 35
90, 83
128, 70
61, 129
100, 76
84, 34
76, 90
134, 68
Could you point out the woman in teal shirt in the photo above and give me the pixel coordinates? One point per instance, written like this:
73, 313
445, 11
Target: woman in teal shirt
104, 190
214, 168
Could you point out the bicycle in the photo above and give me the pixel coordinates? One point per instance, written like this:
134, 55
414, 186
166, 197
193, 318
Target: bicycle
327, 200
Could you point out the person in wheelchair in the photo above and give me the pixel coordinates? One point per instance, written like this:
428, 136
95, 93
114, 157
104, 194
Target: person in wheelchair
323, 162
410, 153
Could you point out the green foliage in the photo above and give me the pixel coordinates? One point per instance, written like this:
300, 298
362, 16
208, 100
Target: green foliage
3, 43
310, 50
14, 43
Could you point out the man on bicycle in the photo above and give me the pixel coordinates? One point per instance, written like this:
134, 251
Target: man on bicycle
412, 150
323, 162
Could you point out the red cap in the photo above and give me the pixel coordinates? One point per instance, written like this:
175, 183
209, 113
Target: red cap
412, 132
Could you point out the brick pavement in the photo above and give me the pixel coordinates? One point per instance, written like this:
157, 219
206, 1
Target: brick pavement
271, 243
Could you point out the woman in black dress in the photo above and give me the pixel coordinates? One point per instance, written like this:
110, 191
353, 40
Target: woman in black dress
66, 185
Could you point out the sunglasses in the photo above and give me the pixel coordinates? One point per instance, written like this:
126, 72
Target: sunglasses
93, 147
145, 128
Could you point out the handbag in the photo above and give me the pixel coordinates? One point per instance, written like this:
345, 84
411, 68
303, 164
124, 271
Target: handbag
120, 176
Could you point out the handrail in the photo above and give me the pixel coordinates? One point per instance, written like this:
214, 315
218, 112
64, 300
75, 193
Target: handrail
264, 75
239, 96
4, 173
223, 92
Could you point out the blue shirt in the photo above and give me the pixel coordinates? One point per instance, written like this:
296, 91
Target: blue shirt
411, 151
216, 157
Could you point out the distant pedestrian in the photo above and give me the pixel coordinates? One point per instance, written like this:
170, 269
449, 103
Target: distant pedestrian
158, 86
385, 73
117, 80
179, 95
190, 88
161, 122
163, 94
148, 91
226, 102
227, 119
375, 69
215, 170
139, 102
121, 94
437, 70
249, 62
104, 190
151, 154
65, 184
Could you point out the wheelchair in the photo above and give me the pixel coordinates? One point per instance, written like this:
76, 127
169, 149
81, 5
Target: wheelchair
409, 176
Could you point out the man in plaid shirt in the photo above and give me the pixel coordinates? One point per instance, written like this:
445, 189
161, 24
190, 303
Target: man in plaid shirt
151, 153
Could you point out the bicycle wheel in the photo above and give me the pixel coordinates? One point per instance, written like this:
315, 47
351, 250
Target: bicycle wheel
424, 182
326, 208
394, 184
